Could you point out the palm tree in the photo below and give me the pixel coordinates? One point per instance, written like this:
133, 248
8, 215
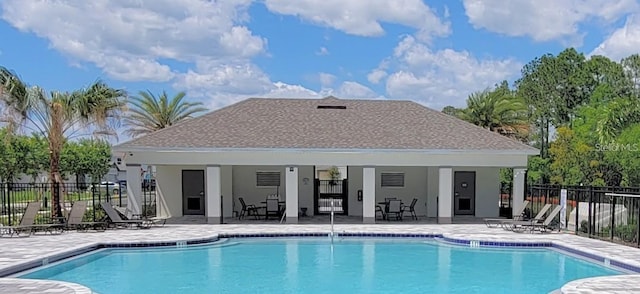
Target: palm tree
149, 113
497, 111
59, 116
616, 116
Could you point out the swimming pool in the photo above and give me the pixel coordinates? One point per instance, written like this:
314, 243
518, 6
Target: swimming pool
313, 265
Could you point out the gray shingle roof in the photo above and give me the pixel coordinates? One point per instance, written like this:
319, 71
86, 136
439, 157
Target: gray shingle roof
298, 123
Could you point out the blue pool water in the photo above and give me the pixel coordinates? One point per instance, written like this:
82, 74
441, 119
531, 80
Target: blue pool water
312, 265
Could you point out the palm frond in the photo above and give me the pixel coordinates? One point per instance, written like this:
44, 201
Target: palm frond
149, 113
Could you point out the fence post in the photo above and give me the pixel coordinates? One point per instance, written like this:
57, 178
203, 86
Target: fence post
638, 226
5, 191
221, 209
576, 204
613, 211
590, 222
93, 201
563, 208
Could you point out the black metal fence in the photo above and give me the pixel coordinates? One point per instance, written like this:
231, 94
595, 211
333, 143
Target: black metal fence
330, 192
505, 202
608, 213
14, 198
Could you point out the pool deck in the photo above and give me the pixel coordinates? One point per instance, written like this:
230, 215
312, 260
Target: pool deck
19, 252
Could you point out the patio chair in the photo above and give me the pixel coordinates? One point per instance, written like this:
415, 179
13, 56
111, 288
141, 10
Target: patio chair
272, 208
412, 209
246, 210
497, 222
26, 222
394, 208
116, 220
379, 209
544, 225
511, 225
76, 216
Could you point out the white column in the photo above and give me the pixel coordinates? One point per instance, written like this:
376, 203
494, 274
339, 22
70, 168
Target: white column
445, 195
291, 192
214, 190
369, 195
517, 192
134, 188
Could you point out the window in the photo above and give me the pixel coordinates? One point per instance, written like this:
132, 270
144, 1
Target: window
392, 179
267, 178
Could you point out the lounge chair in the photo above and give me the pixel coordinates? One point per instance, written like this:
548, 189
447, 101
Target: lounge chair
159, 220
497, 222
545, 225
26, 222
115, 219
76, 216
516, 225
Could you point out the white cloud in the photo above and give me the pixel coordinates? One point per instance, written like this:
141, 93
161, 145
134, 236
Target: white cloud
322, 51
376, 75
544, 20
326, 79
444, 77
128, 39
364, 18
622, 42
350, 89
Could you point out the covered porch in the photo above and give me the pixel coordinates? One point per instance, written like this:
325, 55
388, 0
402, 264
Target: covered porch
205, 185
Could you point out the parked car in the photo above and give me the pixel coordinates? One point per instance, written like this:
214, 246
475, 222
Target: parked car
112, 187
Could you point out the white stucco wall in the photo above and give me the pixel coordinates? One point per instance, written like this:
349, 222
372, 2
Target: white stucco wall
432, 191
355, 184
420, 182
305, 188
244, 185
169, 184
415, 186
487, 190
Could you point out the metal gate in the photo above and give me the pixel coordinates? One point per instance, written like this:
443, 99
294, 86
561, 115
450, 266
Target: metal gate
328, 190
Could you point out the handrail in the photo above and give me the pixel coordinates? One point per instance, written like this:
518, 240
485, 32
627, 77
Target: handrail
332, 232
622, 195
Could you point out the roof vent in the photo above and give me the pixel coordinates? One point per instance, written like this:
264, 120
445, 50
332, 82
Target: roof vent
332, 107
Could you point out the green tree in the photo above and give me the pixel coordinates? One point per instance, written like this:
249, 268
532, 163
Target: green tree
534, 88
32, 155
627, 155
450, 110
58, 116
86, 157
497, 110
538, 169
623, 111
568, 154
9, 168
149, 113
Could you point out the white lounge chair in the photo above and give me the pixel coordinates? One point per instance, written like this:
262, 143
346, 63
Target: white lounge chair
497, 222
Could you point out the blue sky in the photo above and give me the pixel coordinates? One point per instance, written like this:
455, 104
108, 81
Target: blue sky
220, 52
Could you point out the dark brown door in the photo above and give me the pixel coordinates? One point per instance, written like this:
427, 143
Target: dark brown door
464, 193
193, 192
